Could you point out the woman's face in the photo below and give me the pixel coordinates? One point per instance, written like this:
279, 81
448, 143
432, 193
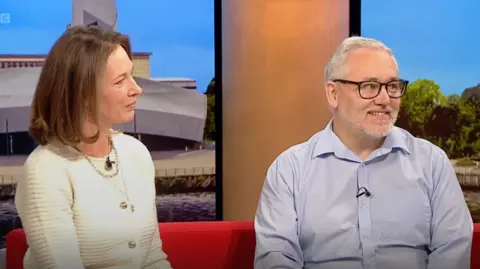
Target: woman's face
119, 93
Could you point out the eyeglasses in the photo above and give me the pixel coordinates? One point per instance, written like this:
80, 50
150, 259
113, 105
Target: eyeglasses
371, 89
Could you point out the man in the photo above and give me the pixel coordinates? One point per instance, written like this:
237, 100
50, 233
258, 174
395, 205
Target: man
363, 193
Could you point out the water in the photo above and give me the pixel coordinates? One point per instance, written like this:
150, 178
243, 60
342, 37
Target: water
186, 207
176, 207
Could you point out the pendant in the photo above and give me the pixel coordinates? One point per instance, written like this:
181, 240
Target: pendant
108, 164
132, 208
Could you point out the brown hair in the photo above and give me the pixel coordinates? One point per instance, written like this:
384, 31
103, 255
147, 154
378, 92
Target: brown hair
67, 90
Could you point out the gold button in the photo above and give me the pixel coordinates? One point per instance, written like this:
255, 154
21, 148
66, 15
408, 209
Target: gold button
132, 244
123, 205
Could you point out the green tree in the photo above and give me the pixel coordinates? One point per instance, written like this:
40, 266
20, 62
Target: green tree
209, 130
472, 93
211, 88
419, 101
469, 111
442, 122
451, 122
450, 126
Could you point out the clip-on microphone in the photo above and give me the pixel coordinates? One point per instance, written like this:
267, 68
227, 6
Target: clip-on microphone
365, 191
108, 164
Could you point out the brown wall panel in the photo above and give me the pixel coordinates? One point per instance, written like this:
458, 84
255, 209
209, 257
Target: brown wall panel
274, 52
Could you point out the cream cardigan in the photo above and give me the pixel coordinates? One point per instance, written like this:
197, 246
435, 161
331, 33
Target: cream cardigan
75, 219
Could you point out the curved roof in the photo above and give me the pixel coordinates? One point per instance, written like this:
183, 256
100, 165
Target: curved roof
162, 109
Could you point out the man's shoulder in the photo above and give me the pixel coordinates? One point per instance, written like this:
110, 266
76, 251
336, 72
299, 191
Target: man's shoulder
419, 147
302, 151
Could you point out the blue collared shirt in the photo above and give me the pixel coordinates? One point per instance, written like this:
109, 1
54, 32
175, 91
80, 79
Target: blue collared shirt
416, 216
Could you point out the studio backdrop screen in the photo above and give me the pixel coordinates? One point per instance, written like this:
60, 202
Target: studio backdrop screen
436, 46
173, 58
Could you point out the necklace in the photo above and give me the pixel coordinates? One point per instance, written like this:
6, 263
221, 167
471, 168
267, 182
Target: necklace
108, 167
108, 163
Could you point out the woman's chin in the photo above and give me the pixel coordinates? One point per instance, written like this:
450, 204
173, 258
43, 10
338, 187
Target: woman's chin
125, 118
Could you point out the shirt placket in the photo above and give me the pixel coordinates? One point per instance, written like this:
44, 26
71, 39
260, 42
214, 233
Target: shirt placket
364, 221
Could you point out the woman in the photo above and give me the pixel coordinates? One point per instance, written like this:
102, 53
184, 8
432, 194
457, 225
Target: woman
87, 199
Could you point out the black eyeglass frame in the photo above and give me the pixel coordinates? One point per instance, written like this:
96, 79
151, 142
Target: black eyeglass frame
359, 84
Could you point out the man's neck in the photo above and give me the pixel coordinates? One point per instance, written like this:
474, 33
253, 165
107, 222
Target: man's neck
360, 144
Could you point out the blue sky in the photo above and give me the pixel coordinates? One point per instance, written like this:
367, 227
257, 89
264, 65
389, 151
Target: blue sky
432, 39
179, 34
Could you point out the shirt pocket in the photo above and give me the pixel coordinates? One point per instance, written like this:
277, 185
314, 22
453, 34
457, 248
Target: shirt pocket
402, 218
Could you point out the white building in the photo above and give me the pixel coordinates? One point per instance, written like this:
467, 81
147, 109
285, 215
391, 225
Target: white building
186, 83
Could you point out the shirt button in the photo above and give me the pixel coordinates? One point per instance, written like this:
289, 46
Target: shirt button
132, 244
123, 205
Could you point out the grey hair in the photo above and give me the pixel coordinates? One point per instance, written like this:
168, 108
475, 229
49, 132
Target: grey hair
336, 67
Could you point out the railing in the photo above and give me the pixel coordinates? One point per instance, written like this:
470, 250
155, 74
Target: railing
8, 179
11, 179
191, 171
468, 176
469, 180
466, 179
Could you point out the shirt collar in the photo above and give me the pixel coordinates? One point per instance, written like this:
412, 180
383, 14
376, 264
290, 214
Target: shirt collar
327, 142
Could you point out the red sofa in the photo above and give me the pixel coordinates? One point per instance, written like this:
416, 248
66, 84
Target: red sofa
208, 245
199, 245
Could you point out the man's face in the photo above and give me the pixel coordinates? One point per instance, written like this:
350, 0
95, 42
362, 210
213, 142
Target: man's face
373, 117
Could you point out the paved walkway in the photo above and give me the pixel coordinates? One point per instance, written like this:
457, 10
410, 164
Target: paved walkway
201, 162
